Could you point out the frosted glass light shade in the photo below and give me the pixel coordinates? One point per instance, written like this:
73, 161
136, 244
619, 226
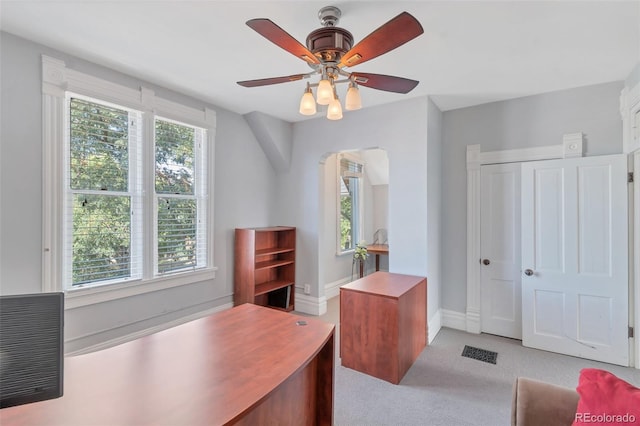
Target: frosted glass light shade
307, 104
334, 111
353, 101
325, 92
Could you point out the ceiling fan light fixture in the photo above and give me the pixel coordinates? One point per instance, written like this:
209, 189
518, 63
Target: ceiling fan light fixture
308, 103
353, 100
324, 94
334, 111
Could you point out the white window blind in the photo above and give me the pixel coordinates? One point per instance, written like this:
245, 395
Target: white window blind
180, 186
100, 192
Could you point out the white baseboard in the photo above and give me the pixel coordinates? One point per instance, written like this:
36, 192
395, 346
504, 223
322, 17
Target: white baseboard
311, 305
332, 290
150, 330
453, 319
434, 326
473, 321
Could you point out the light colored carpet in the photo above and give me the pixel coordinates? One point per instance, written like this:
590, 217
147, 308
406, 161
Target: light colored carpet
444, 388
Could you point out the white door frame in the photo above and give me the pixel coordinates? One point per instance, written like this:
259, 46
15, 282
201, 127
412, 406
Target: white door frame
635, 253
629, 106
571, 146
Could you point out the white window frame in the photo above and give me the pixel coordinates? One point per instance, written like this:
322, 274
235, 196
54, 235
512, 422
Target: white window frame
360, 212
57, 81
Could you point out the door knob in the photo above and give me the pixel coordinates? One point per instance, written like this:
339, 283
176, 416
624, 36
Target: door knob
528, 272
486, 261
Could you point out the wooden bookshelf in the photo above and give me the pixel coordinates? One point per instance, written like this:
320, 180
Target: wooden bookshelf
265, 267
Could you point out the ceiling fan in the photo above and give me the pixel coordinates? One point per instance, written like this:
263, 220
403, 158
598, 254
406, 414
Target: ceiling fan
329, 50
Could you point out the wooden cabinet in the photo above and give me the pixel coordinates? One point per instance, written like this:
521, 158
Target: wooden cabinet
383, 324
265, 267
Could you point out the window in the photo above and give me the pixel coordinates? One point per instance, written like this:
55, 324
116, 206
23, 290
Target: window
180, 196
127, 189
106, 203
99, 192
349, 203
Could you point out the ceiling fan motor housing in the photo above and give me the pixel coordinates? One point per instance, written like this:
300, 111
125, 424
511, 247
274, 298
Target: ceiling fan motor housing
329, 16
329, 43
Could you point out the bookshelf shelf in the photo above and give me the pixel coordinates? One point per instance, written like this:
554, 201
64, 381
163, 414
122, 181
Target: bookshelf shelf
272, 264
270, 286
273, 250
264, 267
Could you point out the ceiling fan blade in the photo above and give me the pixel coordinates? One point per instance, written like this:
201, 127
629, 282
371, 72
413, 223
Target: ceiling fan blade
387, 83
274, 80
395, 33
280, 37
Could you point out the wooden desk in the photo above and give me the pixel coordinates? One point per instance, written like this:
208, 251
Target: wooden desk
247, 365
383, 324
378, 249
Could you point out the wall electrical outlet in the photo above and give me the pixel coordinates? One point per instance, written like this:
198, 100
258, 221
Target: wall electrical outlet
307, 289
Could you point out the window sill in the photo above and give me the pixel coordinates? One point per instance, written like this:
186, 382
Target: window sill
345, 253
78, 297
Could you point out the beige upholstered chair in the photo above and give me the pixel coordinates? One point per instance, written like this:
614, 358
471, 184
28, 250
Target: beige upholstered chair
537, 403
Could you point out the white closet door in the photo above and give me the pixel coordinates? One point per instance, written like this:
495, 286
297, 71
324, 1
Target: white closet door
574, 257
500, 250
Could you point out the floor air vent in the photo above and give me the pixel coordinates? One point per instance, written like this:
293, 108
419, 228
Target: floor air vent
480, 354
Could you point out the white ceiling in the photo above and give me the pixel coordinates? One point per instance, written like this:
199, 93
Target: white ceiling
472, 52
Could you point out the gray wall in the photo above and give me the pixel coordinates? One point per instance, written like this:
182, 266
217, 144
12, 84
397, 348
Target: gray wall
634, 76
243, 196
434, 207
401, 130
519, 123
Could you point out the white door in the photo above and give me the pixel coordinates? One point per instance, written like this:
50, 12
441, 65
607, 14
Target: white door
500, 250
574, 257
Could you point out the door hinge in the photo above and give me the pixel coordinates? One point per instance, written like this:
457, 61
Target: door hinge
630, 177
630, 331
